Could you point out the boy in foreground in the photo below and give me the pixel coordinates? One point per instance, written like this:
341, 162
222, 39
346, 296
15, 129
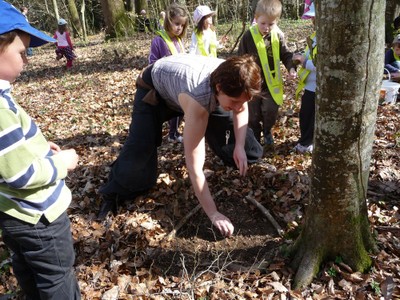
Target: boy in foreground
33, 194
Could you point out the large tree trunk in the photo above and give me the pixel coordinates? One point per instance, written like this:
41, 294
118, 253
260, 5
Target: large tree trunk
118, 23
349, 71
75, 21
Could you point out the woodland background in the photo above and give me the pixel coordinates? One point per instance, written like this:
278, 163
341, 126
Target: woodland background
142, 252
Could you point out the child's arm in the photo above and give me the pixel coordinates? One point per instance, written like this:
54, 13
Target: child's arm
389, 59
193, 44
69, 40
55, 37
287, 57
158, 49
39, 166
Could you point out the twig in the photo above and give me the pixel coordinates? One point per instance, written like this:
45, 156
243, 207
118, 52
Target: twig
388, 228
229, 30
267, 214
172, 234
238, 38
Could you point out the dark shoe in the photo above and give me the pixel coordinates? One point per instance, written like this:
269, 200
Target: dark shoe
108, 204
268, 139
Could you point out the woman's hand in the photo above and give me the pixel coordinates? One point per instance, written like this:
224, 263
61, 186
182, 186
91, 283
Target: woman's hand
223, 224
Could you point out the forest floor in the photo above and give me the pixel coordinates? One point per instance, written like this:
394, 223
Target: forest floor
143, 252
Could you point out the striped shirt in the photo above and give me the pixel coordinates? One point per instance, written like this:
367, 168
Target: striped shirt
185, 73
31, 178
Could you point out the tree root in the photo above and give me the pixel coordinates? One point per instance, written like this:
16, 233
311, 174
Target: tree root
308, 267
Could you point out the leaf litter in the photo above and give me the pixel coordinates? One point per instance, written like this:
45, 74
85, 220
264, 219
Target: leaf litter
130, 255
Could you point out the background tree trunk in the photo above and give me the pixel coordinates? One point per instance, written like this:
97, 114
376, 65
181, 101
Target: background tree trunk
75, 21
56, 9
118, 23
349, 72
83, 9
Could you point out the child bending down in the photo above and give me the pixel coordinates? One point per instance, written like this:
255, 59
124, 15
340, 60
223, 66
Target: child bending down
33, 194
64, 44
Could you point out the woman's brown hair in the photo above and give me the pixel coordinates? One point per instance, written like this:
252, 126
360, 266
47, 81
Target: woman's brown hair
237, 75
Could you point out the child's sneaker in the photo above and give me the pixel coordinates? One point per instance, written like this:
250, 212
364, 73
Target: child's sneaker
304, 149
177, 139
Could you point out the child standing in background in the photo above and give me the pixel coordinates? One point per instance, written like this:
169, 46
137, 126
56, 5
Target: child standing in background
392, 59
24, 11
307, 81
161, 20
266, 43
64, 44
33, 195
204, 38
169, 42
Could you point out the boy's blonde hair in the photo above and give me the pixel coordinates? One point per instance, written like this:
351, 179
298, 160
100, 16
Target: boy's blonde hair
269, 8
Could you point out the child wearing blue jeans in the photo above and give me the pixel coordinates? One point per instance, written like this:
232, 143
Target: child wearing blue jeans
33, 194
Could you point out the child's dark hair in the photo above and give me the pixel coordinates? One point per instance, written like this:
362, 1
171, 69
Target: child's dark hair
172, 11
200, 25
7, 38
237, 75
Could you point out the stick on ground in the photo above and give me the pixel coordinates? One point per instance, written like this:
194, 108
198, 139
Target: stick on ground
266, 213
172, 234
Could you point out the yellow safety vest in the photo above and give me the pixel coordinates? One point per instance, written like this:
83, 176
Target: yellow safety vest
273, 78
170, 43
303, 72
213, 45
396, 57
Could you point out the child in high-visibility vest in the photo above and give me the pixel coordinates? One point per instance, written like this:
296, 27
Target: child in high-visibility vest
169, 42
204, 38
266, 42
307, 81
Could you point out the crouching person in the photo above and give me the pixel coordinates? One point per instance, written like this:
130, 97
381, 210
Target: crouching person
212, 94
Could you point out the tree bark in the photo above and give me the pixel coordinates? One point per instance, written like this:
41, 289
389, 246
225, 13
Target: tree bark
75, 21
83, 9
118, 23
349, 71
56, 9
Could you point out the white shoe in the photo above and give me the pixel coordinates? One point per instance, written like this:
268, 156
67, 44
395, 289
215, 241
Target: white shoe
304, 149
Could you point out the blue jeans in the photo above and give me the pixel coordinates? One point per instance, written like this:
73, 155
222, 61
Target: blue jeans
43, 257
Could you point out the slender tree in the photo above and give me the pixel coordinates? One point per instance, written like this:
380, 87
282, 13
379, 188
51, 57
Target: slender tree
56, 13
74, 15
118, 23
349, 70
